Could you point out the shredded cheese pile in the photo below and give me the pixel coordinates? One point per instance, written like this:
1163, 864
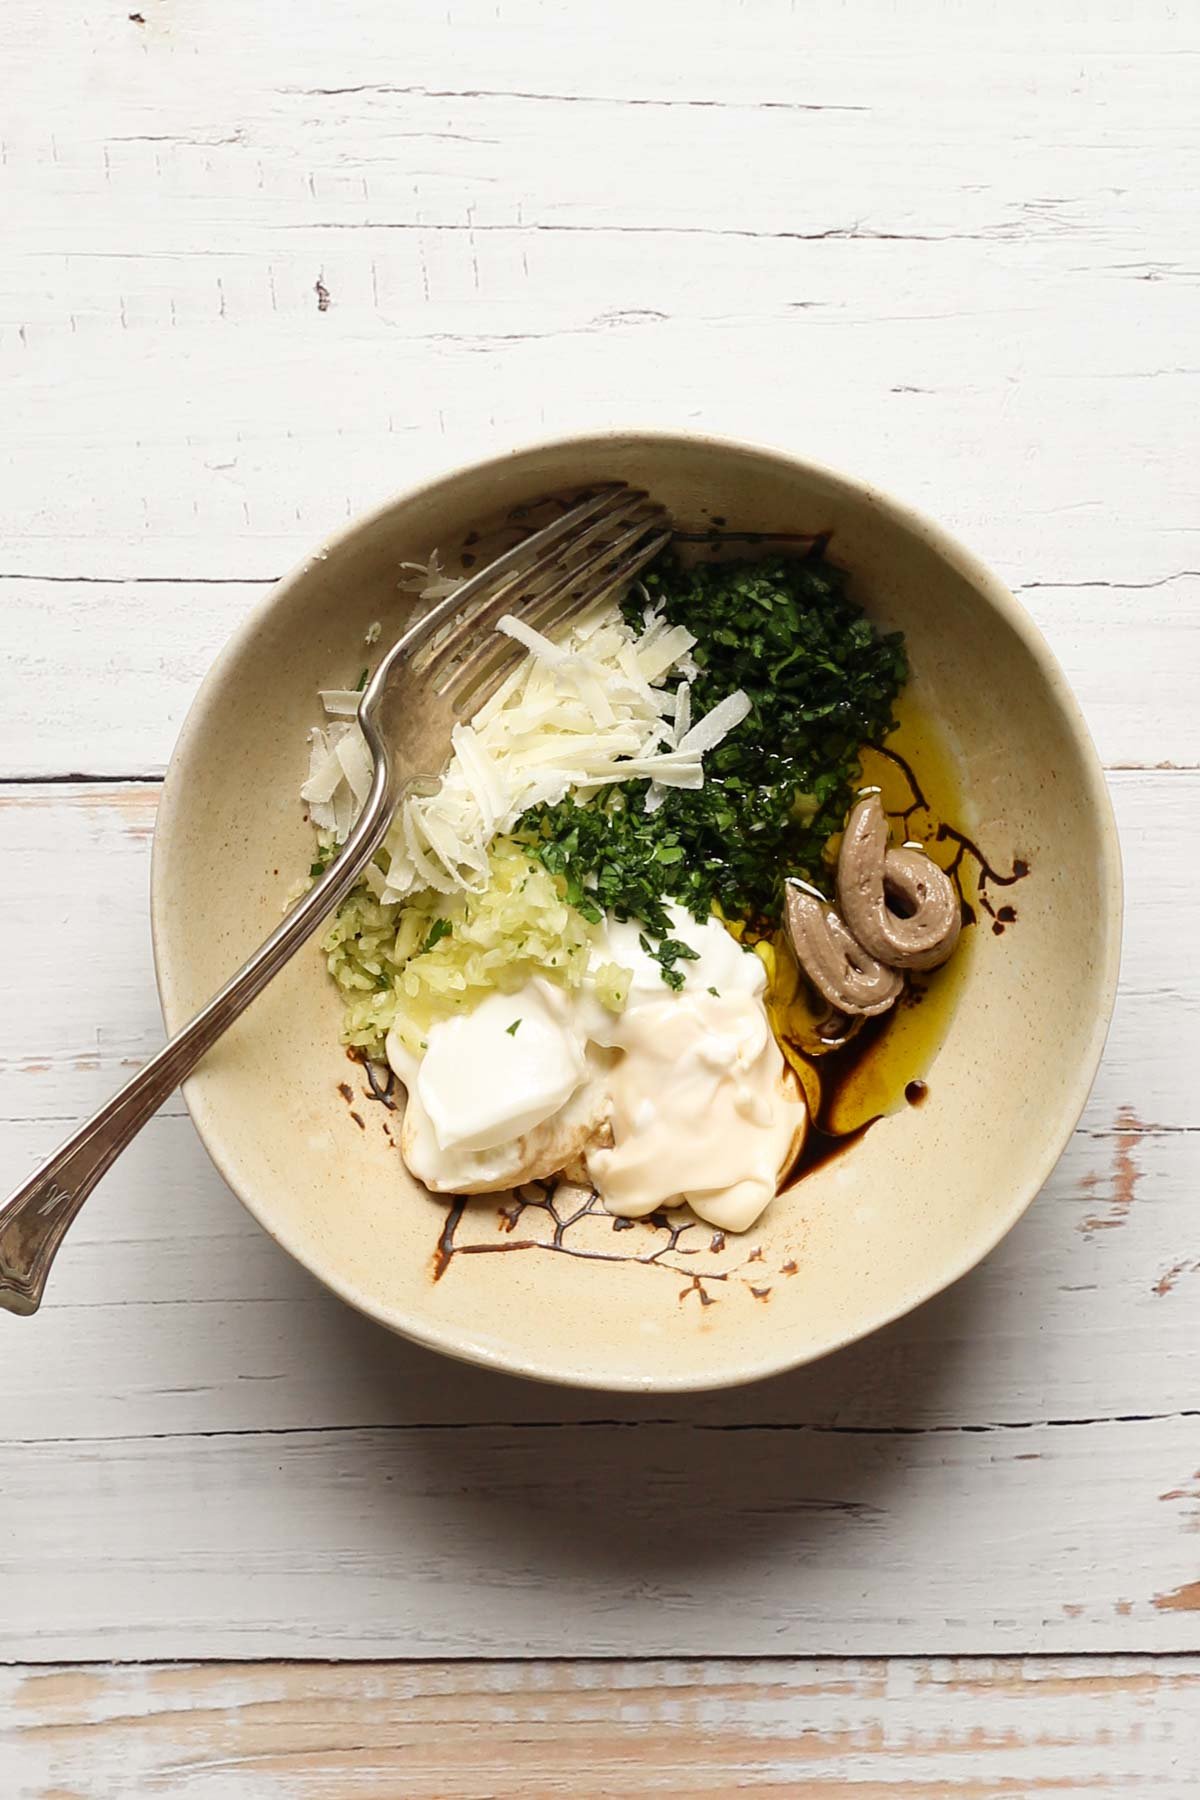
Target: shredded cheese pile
573, 716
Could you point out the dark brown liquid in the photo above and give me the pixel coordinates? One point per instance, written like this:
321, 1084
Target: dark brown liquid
679, 1236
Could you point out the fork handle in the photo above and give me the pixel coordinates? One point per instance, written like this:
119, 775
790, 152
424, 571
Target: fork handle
34, 1221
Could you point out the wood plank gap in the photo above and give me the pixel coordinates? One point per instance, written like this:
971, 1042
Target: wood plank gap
427, 93
459, 1428
77, 778
699, 1659
144, 580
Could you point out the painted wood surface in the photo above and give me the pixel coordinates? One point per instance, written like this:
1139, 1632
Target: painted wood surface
605, 1539
264, 266
268, 273
908, 1729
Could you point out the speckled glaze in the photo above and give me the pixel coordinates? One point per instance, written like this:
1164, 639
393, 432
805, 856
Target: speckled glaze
293, 1127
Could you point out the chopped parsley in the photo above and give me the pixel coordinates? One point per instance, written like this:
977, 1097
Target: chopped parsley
327, 852
361, 683
821, 682
511, 1030
667, 953
441, 928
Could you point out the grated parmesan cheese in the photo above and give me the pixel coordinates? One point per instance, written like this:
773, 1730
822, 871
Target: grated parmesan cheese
575, 715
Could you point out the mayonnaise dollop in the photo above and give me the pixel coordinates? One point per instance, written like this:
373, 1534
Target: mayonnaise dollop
700, 1110
682, 1096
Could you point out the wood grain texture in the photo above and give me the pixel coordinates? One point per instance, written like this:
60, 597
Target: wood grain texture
610, 1538
264, 267
910, 1729
901, 245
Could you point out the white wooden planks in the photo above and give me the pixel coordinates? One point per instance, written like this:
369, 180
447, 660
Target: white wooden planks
604, 1539
960, 1729
262, 271
909, 248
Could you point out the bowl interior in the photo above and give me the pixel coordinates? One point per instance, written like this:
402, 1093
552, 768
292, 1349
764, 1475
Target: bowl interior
293, 1127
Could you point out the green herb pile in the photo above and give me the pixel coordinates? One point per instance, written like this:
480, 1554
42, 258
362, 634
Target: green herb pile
821, 681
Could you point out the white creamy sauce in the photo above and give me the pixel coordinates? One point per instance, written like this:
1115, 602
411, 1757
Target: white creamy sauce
682, 1096
698, 1111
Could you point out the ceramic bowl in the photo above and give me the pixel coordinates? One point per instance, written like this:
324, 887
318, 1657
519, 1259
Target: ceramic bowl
296, 1131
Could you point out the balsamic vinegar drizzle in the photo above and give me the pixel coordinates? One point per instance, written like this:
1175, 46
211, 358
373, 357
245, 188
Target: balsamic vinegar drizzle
541, 1197
381, 1089
918, 802
1000, 916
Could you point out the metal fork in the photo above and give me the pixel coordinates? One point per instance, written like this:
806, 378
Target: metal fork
442, 670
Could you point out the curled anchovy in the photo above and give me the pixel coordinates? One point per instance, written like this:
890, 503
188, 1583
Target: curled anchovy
845, 974
898, 904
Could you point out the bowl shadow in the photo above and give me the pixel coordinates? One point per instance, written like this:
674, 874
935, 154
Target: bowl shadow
647, 1490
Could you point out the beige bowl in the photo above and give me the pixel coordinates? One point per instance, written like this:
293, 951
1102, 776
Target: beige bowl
290, 1123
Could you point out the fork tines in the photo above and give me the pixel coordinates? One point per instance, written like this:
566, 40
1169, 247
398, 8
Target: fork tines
598, 545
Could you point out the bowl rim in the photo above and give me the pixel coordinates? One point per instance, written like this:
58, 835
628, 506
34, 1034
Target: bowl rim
451, 1341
